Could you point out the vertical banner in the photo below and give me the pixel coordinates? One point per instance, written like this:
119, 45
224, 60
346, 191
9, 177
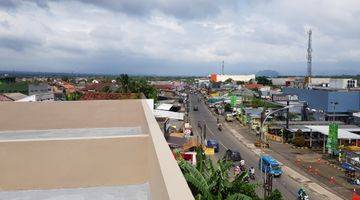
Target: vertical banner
332, 141
233, 101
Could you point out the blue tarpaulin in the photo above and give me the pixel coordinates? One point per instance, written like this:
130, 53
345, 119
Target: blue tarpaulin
347, 167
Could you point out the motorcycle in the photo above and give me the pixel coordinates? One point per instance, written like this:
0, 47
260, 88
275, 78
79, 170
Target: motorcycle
302, 195
252, 176
246, 179
220, 127
242, 168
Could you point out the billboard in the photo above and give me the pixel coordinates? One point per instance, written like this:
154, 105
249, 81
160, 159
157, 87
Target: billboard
283, 97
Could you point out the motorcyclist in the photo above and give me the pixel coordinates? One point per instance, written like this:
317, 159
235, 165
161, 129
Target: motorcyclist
242, 162
252, 171
219, 126
237, 170
302, 194
242, 165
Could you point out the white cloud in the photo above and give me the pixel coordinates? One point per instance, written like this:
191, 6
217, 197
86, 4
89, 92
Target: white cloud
261, 33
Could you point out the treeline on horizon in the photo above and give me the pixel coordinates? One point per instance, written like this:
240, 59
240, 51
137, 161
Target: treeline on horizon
25, 74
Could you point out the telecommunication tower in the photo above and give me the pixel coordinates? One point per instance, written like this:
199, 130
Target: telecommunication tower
222, 68
309, 57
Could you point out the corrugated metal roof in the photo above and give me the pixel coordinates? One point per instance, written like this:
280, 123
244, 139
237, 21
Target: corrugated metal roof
342, 133
164, 106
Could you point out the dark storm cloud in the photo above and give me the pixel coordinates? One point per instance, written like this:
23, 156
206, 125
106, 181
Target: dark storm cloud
17, 43
183, 9
15, 3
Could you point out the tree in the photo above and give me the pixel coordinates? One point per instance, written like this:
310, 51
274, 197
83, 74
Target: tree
65, 78
299, 140
229, 80
106, 88
124, 80
227, 107
240, 82
263, 80
275, 195
212, 181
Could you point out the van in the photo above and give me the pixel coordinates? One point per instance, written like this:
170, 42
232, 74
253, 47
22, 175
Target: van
267, 164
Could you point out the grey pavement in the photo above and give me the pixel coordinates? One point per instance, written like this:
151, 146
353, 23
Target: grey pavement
230, 138
125, 192
69, 133
308, 162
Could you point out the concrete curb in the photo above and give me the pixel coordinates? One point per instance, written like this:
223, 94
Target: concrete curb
334, 166
295, 147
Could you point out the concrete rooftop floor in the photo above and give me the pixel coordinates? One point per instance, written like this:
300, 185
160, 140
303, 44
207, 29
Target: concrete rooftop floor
124, 192
69, 133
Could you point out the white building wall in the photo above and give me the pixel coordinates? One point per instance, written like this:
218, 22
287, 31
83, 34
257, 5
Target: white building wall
342, 83
245, 78
320, 81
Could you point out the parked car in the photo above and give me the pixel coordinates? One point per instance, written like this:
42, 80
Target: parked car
229, 118
213, 144
195, 108
234, 156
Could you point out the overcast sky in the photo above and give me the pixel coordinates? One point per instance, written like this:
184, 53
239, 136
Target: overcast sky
179, 37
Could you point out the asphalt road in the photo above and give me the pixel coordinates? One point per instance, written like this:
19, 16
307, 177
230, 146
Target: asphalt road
287, 186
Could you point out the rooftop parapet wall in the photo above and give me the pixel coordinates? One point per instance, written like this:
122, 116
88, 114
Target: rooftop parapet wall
72, 114
73, 163
165, 177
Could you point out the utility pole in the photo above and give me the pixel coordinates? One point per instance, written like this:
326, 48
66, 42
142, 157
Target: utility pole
309, 58
268, 183
287, 114
204, 131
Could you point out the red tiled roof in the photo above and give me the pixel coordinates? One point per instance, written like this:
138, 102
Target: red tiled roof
252, 86
5, 98
108, 96
164, 86
96, 86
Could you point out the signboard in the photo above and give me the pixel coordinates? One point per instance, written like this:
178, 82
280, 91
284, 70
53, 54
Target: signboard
332, 140
233, 101
209, 151
283, 97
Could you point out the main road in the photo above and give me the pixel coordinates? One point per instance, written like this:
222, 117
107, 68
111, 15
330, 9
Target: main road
286, 185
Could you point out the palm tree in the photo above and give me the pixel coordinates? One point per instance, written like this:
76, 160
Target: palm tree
124, 81
212, 181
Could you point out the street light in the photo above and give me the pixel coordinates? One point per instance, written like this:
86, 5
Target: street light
334, 103
262, 137
268, 115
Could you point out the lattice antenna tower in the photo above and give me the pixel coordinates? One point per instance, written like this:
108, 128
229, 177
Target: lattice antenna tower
309, 56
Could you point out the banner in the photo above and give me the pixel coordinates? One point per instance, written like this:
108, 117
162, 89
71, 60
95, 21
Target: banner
332, 140
233, 101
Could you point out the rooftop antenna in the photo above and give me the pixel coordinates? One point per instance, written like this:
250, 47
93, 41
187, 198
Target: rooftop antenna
309, 58
222, 68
